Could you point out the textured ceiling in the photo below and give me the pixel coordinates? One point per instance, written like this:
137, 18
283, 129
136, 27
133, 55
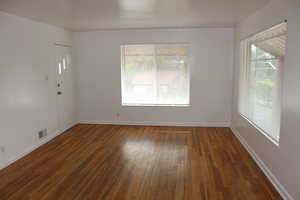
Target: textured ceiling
83, 15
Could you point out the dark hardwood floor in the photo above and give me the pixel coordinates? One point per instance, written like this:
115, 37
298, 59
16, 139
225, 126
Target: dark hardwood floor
138, 162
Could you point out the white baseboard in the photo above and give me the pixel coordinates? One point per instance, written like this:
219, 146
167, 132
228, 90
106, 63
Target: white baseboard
151, 123
278, 186
32, 148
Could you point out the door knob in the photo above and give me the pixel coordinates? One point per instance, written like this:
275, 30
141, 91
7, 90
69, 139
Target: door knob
59, 93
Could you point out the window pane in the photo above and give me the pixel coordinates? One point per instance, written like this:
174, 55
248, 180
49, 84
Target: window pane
139, 79
173, 87
262, 91
155, 74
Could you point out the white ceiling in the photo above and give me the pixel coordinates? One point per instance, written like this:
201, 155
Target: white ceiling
82, 15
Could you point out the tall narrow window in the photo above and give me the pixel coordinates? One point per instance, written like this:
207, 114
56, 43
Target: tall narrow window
260, 89
155, 74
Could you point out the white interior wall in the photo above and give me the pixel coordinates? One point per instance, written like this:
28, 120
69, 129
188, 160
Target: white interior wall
283, 161
27, 83
98, 61
28, 99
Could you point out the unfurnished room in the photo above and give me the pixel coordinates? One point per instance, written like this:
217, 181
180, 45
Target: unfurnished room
149, 99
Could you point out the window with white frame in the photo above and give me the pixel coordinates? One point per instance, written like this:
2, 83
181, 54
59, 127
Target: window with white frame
155, 74
262, 60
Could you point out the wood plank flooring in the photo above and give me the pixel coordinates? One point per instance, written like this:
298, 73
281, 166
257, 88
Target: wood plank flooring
138, 162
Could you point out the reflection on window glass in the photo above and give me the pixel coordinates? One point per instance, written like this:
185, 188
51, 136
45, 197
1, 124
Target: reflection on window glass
59, 68
155, 74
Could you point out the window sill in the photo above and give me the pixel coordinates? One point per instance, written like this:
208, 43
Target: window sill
274, 141
155, 105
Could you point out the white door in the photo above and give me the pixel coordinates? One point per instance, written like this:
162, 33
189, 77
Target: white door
65, 87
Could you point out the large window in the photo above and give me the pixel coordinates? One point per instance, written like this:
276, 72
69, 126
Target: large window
260, 88
155, 74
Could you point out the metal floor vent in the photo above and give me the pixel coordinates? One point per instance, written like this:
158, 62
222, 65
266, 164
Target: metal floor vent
42, 133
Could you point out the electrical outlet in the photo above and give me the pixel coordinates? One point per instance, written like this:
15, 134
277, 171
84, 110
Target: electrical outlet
118, 115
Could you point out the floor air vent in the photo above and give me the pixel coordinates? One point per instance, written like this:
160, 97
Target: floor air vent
42, 133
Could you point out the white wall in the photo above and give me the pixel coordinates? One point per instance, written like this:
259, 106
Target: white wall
27, 83
98, 60
282, 161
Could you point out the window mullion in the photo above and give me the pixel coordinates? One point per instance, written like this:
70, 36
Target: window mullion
248, 82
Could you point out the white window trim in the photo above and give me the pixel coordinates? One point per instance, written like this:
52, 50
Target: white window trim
274, 141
